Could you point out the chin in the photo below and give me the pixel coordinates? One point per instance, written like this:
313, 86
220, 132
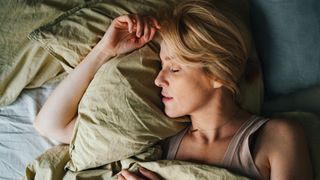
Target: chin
171, 114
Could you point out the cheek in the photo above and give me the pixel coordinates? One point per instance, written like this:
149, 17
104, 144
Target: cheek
179, 89
195, 97
189, 96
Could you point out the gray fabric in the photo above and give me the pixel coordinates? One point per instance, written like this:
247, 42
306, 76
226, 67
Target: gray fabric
307, 100
238, 156
19, 142
287, 35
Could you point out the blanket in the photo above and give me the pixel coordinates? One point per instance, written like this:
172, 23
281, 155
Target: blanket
50, 165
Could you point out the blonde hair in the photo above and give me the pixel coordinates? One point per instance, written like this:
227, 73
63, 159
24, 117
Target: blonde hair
199, 33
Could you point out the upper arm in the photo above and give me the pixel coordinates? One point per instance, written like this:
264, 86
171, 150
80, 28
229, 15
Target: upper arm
62, 134
288, 152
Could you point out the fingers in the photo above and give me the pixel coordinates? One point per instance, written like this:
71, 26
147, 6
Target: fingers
152, 33
128, 20
125, 174
144, 25
154, 22
120, 177
147, 28
148, 174
140, 25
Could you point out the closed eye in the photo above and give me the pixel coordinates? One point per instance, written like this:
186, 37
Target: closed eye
174, 70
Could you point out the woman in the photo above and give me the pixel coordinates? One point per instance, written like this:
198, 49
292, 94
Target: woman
203, 55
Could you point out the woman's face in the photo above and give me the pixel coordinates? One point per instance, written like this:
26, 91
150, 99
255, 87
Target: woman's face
185, 89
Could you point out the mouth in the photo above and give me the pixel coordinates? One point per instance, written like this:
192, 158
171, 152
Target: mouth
166, 98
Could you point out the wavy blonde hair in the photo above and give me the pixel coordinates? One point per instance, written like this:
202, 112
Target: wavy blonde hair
199, 33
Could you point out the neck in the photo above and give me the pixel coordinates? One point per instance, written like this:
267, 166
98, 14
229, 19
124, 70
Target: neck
218, 119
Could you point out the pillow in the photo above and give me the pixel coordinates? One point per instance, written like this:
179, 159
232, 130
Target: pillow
287, 35
311, 124
306, 100
120, 114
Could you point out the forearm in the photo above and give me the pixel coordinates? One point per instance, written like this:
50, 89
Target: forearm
58, 115
62, 105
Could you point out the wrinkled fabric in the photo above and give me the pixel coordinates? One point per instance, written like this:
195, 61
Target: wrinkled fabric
121, 113
24, 63
20, 143
50, 166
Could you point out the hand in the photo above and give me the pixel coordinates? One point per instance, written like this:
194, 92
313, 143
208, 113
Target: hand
127, 33
145, 174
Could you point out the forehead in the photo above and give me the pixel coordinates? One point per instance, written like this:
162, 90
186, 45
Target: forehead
165, 53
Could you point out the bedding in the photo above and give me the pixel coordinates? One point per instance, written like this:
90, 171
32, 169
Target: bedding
19, 142
50, 165
28, 73
307, 100
23, 63
25, 70
121, 109
287, 35
101, 117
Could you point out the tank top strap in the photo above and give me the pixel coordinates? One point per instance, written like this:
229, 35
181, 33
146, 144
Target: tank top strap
174, 143
238, 156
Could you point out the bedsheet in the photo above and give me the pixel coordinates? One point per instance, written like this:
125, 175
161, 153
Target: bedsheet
23, 64
19, 142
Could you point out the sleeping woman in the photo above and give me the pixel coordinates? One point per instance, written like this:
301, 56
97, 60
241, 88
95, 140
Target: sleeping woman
203, 55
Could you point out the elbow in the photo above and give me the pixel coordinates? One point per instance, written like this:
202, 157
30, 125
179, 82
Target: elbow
51, 131
38, 127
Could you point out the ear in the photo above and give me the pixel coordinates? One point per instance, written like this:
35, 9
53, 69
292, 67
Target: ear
216, 84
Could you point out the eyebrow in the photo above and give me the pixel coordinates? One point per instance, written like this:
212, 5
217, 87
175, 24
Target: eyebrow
168, 58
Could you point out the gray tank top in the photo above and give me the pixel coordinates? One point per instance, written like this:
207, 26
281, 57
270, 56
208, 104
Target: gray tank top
238, 157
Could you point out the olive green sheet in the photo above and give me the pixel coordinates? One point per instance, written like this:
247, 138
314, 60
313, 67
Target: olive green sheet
23, 63
50, 165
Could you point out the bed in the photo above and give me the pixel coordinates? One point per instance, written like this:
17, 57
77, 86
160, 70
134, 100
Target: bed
37, 53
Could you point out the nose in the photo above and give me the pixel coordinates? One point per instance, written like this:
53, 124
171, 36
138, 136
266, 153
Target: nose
160, 80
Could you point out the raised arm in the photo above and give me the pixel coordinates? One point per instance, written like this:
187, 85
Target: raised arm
57, 117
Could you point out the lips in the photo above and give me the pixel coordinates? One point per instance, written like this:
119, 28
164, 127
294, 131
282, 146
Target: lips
166, 98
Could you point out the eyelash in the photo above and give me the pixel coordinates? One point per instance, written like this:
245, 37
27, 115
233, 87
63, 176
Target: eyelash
171, 69
174, 70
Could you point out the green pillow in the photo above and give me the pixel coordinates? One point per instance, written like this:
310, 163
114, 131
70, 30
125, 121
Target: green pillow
287, 35
120, 114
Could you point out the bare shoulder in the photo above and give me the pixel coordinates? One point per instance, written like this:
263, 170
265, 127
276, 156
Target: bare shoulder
284, 146
283, 129
282, 135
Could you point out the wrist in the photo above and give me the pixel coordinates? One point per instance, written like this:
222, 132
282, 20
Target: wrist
103, 53
103, 47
